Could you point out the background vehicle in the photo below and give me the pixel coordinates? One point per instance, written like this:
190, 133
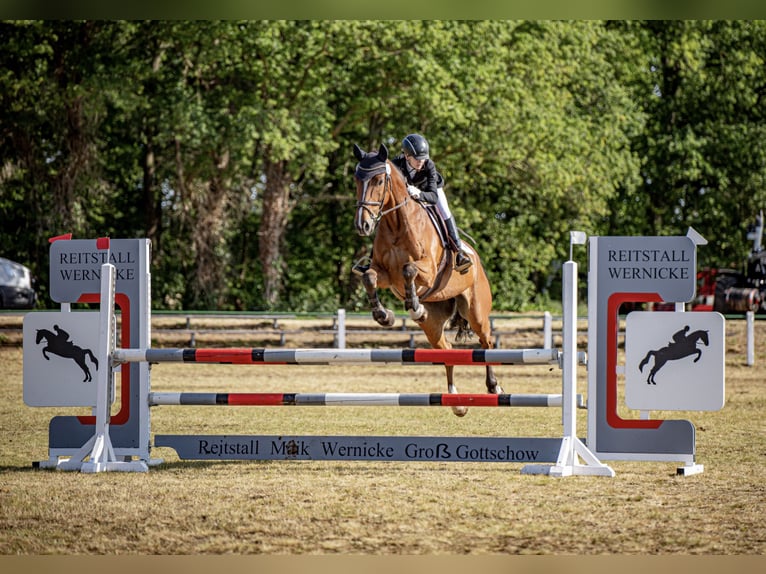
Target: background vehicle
731, 290
16, 286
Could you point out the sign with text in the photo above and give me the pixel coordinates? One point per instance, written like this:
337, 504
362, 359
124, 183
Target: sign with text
664, 265
75, 267
391, 448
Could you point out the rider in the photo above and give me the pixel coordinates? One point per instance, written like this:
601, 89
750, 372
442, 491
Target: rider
680, 335
61, 335
426, 184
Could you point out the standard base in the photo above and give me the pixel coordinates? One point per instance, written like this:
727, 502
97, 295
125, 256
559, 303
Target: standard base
97, 455
690, 469
568, 463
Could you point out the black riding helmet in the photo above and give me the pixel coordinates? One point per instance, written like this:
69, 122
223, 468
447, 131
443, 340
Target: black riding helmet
416, 146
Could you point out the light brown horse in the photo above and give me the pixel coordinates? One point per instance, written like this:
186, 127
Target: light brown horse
409, 258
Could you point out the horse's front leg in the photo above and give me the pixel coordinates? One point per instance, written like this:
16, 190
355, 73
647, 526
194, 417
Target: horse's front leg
411, 301
383, 316
651, 380
45, 354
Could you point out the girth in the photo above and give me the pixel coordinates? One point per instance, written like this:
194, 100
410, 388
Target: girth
447, 261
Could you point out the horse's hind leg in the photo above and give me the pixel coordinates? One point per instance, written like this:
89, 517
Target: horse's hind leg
481, 326
452, 389
437, 316
85, 369
383, 316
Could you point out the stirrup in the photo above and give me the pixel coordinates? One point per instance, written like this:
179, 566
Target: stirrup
463, 267
361, 265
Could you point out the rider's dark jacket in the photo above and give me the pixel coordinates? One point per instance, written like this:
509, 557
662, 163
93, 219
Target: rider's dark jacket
427, 179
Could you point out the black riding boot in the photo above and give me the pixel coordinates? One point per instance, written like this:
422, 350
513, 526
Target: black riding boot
462, 261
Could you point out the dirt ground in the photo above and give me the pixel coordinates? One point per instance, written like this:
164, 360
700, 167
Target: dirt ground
385, 509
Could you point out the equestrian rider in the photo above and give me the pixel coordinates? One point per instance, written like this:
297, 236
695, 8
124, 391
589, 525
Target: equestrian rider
680, 335
426, 185
61, 335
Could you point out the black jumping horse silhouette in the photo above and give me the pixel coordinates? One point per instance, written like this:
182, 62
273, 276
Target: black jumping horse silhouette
683, 345
57, 344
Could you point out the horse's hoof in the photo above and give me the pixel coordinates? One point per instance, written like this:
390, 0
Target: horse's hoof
386, 318
460, 411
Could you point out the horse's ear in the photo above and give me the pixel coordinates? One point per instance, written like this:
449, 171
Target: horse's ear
358, 153
383, 152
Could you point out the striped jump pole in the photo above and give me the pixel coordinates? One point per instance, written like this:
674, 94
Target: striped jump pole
247, 356
361, 399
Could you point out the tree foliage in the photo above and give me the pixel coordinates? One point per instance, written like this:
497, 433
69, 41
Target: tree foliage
703, 158
228, 144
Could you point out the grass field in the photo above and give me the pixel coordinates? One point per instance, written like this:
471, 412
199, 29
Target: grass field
306, 508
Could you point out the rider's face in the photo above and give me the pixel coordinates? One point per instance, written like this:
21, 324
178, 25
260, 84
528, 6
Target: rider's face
416, 164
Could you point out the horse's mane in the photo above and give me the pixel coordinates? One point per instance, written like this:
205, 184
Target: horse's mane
398, 181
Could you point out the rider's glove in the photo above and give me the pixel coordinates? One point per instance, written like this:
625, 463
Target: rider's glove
413, 191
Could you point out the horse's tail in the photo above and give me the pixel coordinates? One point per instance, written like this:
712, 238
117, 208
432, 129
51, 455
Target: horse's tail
643, 363
464, 331
93, 358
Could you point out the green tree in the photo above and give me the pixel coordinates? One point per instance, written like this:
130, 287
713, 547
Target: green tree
54, 93
702, 86
228, 144
531, 127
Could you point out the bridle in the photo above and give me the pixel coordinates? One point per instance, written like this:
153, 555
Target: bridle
365, 175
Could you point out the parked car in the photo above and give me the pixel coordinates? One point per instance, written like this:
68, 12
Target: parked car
17, 290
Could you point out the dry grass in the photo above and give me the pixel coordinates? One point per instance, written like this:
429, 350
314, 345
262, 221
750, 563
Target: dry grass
384, 508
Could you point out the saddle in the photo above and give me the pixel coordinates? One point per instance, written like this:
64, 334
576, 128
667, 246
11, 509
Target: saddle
447, 262
436, 219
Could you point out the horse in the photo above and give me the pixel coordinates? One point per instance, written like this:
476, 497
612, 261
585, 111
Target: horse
678, 349
56, 346
410, 260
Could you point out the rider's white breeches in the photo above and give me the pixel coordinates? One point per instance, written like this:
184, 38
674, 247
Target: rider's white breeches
442, 205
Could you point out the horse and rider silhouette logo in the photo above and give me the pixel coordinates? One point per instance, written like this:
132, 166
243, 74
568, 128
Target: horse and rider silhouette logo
58, 343
684, 344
